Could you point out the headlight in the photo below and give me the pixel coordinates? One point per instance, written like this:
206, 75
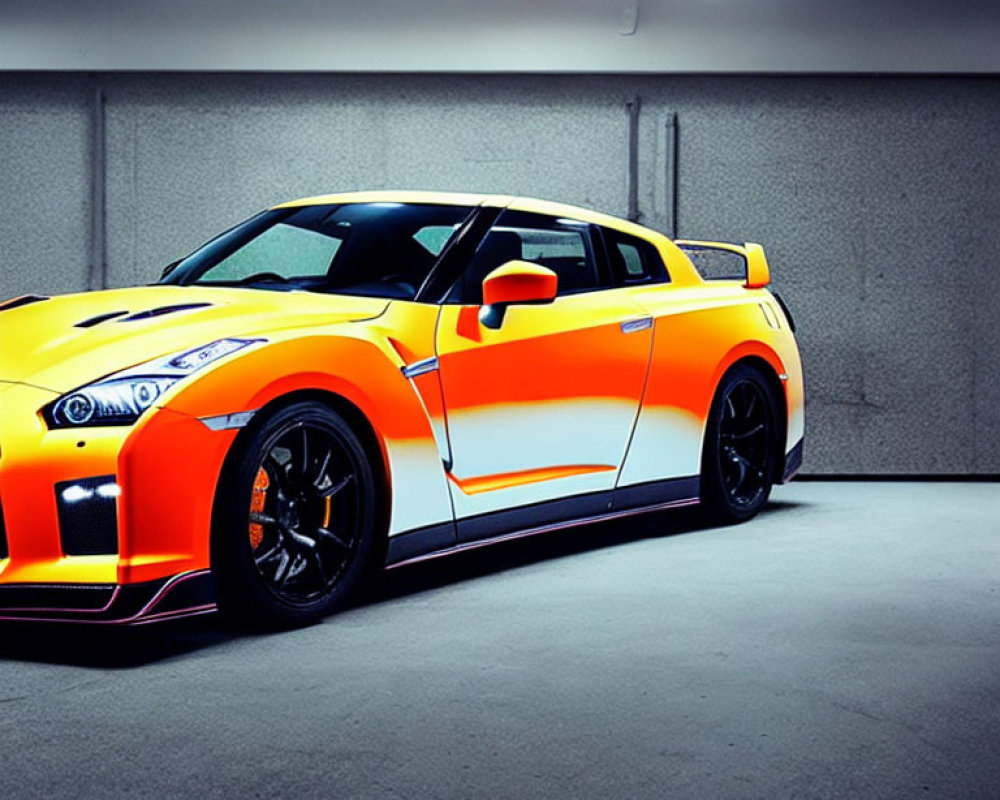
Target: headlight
119, 399
111, 402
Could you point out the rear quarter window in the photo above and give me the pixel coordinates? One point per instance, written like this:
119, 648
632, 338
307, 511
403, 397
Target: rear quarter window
633, 260
634, 267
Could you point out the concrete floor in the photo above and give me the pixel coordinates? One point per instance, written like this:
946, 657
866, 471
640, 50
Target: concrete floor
846, 644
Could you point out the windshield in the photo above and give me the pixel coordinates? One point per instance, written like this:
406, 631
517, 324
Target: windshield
372, 249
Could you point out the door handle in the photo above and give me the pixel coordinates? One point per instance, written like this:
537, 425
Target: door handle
636, 325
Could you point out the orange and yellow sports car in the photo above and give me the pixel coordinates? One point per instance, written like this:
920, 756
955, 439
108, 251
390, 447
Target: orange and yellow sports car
371, 379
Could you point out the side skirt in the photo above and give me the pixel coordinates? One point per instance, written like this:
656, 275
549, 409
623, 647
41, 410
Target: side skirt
552, 515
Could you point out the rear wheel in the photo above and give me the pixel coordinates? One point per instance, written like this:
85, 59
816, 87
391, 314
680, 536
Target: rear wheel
739, 455
295, 518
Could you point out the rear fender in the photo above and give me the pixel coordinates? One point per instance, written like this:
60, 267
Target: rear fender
697, 337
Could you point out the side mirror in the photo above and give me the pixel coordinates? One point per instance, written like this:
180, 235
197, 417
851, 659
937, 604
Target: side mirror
515, 282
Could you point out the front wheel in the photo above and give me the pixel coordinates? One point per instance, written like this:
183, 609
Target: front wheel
741, 439
294, 518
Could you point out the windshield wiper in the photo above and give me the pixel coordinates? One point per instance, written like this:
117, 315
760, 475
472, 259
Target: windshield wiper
262, 277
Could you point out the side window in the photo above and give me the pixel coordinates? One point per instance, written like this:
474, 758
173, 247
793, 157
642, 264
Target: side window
633, 260
563, 246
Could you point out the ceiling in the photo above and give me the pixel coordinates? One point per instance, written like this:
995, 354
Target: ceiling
608, 36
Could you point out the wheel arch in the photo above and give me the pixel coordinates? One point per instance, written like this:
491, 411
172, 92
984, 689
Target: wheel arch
769, 373
356, 419
358, 378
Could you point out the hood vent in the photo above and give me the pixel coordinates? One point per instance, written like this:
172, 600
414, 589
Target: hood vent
23, 300
92, 321
159, 312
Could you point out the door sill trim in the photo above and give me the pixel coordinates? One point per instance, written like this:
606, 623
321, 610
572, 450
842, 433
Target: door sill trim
462, 547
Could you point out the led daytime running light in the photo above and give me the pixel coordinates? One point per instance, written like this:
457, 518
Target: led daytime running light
193, 359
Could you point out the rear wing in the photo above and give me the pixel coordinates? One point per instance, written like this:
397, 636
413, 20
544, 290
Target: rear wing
722, 261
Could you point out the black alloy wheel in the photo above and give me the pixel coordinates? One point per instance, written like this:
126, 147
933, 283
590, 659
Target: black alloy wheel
295, 518
741, 443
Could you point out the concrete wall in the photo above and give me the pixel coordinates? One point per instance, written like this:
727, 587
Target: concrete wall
875, 198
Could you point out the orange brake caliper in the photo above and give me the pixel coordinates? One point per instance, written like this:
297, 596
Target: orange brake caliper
257, 501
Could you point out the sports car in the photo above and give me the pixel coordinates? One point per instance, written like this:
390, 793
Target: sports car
363, 380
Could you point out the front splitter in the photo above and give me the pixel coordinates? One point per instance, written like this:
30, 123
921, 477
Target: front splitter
188, 594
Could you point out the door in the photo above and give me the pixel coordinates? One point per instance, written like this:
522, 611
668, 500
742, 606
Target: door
540, 408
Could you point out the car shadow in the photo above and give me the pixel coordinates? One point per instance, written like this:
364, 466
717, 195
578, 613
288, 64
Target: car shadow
502, 556
113, 647
109, 647
515, 553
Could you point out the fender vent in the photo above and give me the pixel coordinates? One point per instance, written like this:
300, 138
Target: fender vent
159, 312
784, 308
92, 321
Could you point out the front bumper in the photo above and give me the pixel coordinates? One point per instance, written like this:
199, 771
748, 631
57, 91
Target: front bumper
131, 604
137, 546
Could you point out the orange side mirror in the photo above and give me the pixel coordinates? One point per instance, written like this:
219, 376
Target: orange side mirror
519, 282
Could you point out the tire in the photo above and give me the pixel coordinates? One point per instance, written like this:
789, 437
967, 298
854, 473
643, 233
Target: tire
740, 448
294, 518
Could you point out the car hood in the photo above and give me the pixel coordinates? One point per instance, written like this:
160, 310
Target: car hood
63, 342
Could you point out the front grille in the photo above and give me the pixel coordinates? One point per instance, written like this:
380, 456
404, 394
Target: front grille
88, 520
70, 599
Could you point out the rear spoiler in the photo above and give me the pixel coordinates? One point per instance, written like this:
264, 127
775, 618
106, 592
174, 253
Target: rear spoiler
756, 274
